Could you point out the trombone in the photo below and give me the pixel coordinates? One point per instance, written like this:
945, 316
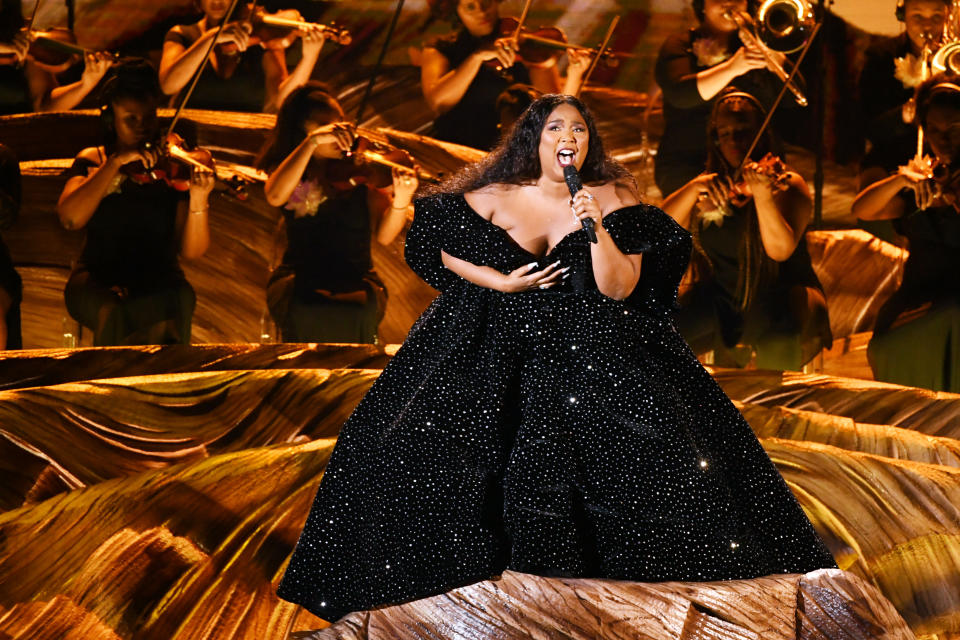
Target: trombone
783, 26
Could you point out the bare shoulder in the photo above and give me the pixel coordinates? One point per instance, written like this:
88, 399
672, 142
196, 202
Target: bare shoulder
616, 194
93, 154
487, 200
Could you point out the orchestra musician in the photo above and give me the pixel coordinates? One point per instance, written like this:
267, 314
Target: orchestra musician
755, 285
891, 73
128, 286
11, 286
326, 290
460, 77
916, 339
25, 84
692, 69
239, 76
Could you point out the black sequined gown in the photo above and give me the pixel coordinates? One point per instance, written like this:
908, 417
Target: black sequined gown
556, 432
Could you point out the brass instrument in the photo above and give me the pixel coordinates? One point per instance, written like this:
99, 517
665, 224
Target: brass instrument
781, 25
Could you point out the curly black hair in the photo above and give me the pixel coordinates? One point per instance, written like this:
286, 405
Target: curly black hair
516, 160
288, 132
699, 8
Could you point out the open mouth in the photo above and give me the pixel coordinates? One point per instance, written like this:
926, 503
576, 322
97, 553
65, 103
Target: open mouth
566, 157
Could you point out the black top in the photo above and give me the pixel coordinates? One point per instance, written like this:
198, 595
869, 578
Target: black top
893, 142
9, 212
132, 237
685, 112
243, 90
473, 121
930, 273
556, 432
329, 247
722, 244
14, 91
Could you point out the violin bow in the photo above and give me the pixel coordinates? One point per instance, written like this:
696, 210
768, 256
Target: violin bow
776, 103
203, 64
596, 59
376, 68
523, 18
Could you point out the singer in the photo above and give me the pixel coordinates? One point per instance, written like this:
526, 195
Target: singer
543, 415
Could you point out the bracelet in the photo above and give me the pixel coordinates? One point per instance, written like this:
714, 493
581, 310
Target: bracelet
197, 212
403, 208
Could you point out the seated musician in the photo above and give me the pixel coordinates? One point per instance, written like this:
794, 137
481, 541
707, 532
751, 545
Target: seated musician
326, 289
11, 287
916, 339
459, 76
891, 73
128, 287
754, 286
239, 76
692, 69
25, 84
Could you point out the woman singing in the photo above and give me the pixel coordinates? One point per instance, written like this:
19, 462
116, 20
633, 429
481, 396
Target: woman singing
128, 286
543, 415
326, 289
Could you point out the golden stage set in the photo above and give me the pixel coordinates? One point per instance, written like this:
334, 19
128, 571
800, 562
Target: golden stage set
157, 492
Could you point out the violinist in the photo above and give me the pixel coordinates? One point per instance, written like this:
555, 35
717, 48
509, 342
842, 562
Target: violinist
917, 332
240, 76
754, 288
692, 69
459, 76
326, 290
891, 73
11, 286
25, 84
128, 286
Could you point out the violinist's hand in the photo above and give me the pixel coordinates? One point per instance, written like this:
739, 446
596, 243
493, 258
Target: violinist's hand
312, 38
405, 184
758, 181
147, 157
95, 66
236, 32
714, 188
201, 183
523, 279
746, 59
337, 137
584, 205
503, 50
19, 46
578, 61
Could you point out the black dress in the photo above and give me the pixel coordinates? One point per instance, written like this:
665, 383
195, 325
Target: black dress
328, 248
240, 88
916, 339
556, 432
473, 121
128, 286
713, 315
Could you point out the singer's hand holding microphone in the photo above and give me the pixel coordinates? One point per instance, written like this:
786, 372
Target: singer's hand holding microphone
583, 204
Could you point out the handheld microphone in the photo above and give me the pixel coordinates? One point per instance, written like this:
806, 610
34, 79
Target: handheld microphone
573, 183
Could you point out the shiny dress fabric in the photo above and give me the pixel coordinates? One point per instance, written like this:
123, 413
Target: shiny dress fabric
554, 432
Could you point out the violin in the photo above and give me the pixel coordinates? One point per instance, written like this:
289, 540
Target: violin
540, 46
54, 50
372, 161
280, 30
175, 165
769, 165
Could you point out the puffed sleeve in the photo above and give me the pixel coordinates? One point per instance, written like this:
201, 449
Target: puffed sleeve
425, 240
665, 246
